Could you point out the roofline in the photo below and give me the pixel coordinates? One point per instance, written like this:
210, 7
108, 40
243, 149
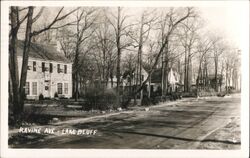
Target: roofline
68, 62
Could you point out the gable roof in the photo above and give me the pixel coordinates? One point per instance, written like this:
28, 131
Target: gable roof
39, 51
156, 76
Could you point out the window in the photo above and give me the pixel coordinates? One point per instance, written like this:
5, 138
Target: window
59, 88
65, 69
50, 67
43, 66
66, 88
34, 66
27, 88
58, 68
34, 88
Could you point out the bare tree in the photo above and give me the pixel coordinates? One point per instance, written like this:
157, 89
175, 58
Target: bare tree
85, 19
121, 31
13, 64
232, 65
218, 49
129, 66
204, 46
168, 24
146, 22
153, 47
188, 36
175, 20
105, 46
67, 42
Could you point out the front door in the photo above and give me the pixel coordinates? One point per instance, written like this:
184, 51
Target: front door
46, 89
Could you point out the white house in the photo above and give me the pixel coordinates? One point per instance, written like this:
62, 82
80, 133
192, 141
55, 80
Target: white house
49, 72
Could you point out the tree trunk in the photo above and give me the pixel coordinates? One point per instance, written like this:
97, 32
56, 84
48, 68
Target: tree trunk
185, 71
136, 78
165, 70
118, 57
118, 45
76, 62
140, 57
215, 74
187, 75
25, 57
221, 77
198, 79
227, 78
149, 85
162, 74
13, 63
118, 75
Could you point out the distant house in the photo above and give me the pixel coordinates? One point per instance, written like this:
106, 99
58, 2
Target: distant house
211, 81
49, 72
173, 77
156, 80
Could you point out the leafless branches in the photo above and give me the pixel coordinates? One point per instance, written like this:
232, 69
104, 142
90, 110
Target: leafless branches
57, 18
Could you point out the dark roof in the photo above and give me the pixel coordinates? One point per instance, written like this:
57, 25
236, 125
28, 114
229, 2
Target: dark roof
156, 76
45, 52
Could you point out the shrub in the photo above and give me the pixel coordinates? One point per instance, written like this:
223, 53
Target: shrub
41, 97
146, 101
99, 99
207, 93
56, 95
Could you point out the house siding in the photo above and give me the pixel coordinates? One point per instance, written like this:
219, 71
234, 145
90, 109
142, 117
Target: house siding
47, 83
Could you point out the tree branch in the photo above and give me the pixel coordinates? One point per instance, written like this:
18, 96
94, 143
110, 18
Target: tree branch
56, 19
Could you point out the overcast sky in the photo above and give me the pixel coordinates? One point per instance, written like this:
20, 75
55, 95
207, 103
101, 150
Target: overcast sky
230, 21
227, 18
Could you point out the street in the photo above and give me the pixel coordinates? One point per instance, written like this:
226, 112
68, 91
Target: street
204, 123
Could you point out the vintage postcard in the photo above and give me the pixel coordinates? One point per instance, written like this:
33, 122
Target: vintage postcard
124, 78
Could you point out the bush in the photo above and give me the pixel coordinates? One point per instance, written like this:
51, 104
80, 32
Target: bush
56, 95
41, 97
96, 99
146, 101
207, 93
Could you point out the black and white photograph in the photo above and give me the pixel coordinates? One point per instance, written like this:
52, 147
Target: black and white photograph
142, 77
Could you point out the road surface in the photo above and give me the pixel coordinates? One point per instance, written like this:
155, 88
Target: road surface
204, 123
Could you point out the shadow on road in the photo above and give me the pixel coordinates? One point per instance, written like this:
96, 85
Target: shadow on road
176, 138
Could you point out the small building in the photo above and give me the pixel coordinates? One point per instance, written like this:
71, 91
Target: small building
155, 81
49, 72
210, 81
173, 80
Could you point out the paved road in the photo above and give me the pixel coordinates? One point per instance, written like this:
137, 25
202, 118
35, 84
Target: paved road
204, 123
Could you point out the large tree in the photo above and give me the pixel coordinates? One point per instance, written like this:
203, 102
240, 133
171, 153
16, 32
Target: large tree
188, 36
204, 47
85, 20
169, 23
174, 20
218, 48
145, 25
105, 45
121, 31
